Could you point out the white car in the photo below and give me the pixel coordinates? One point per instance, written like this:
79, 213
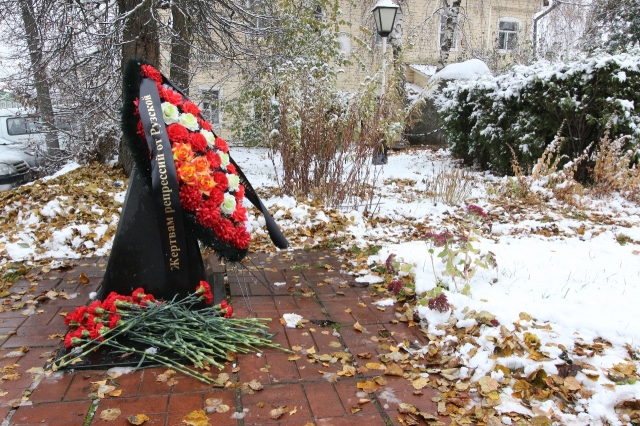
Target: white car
20, 135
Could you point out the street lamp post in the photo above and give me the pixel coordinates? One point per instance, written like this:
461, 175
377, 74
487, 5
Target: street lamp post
384, 13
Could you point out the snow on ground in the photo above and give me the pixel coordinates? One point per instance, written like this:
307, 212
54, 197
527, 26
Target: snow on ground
569, 275
561, 266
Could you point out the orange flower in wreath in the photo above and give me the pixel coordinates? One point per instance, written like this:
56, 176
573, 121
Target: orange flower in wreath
202, 165
206, 184
182, 152
187, 173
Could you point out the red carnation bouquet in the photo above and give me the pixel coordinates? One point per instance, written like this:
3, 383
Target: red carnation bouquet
164, 332
210, 188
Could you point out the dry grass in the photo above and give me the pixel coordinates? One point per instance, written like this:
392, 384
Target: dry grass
547, 174
449, 186
614, 170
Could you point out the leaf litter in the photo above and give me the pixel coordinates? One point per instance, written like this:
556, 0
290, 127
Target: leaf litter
548, 364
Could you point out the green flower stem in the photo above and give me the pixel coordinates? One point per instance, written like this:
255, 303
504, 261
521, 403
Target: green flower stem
167, 362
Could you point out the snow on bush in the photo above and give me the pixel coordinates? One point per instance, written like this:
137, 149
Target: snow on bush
526, 107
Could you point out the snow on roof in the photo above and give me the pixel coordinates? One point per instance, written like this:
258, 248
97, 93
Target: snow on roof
467, 70
426, 70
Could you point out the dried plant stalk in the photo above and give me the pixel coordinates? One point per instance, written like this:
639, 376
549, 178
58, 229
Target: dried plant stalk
614, 170
449, 186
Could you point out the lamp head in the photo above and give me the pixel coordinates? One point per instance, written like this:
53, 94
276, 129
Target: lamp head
384, 13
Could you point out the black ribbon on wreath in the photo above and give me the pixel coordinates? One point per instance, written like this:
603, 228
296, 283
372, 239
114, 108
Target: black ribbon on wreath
164, 184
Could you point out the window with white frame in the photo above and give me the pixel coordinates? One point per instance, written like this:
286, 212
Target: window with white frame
208, 58
210, 106
507, 34
257, 8
443, 29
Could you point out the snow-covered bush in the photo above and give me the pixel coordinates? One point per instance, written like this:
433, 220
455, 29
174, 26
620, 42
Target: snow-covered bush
526, 107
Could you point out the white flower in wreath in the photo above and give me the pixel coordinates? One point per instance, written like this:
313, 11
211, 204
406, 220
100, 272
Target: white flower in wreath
228, 206
234, 182
224, 160
170, 113
209, 137
189, 121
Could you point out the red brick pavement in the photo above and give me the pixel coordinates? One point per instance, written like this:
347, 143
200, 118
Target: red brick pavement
312, 394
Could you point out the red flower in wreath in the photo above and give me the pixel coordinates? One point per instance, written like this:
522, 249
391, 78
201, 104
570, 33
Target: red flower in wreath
222, 145
198, 142
208, 216
177, 133
221, 181
98, 332
152, 73
190, 197
216, 197
170, 96
214, 159
204, 124
239, 194
241, 238
190, 108
70, 340
232, 169
240, 214
225, 230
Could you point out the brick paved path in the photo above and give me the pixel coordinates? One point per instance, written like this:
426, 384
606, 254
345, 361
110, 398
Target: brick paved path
311, 392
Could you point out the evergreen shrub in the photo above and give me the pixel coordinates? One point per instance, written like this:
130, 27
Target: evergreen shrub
525, 108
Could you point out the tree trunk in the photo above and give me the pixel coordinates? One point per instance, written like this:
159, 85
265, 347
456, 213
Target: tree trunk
45, 107
451, 13
139, 40
180, 49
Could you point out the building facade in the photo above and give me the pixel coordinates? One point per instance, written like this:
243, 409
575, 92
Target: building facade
496, 31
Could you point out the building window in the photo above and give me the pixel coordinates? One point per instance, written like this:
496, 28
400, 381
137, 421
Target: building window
443, 29
208, 58
257, 8
507, 34
210, 106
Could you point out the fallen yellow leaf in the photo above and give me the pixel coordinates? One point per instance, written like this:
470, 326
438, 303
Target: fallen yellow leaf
196, 418
394, 369
138, 419
110, 414
375, 366
420, 383
276, 413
